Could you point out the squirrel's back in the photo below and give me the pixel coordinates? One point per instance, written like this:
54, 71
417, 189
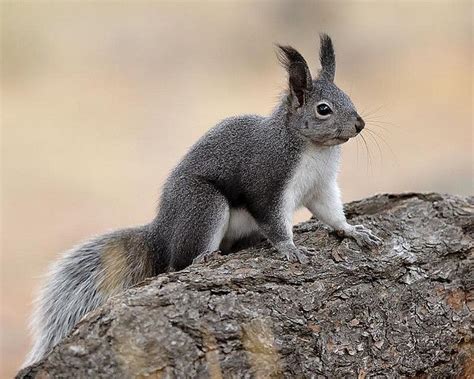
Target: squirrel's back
84, 278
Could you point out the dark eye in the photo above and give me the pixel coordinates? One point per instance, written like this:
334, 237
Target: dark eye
323, 109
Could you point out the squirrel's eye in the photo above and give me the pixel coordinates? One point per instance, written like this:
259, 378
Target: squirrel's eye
323, 110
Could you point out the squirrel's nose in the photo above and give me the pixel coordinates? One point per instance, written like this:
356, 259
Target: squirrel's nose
359, 125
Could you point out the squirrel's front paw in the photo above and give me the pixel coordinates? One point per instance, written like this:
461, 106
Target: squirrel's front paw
363, 236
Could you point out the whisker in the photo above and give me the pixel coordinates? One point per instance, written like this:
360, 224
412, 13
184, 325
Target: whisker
369, 156
380, 121
357, 157
378, 126
372, 136
386, 144
383, 127
372, 111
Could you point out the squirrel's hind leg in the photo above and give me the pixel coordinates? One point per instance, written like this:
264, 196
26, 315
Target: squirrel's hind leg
203, 223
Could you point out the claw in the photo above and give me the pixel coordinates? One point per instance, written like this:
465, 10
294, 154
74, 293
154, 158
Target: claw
308, 250
295, 254
364, 237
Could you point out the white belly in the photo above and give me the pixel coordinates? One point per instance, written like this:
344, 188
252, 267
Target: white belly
241, 224
317, 168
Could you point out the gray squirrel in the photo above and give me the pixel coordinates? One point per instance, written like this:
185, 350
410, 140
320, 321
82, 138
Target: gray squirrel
242, 181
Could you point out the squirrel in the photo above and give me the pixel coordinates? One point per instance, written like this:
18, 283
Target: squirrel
242, 181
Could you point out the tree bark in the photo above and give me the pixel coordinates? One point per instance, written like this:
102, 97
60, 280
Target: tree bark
402, 310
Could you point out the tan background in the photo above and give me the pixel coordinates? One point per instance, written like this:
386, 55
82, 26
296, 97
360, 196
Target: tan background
101, 99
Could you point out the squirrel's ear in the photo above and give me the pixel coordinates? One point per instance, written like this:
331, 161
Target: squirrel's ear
299, 76
327, 58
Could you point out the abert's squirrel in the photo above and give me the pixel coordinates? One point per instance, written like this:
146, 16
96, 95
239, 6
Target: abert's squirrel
242, 180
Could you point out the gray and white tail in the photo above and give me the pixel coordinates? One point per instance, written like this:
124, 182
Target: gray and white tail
83, 279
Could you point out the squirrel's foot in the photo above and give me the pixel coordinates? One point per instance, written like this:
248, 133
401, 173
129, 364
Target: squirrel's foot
293, 253
208, 256
363, 236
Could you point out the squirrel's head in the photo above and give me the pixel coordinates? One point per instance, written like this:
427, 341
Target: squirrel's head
317, 108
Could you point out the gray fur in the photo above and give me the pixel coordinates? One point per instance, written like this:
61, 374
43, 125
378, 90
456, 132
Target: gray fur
242, 180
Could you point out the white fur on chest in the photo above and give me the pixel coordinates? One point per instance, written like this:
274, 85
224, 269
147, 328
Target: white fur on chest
317, 168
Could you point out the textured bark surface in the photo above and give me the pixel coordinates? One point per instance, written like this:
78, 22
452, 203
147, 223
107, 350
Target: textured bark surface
403, 310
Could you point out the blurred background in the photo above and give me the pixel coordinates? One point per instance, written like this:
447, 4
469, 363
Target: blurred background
101, 99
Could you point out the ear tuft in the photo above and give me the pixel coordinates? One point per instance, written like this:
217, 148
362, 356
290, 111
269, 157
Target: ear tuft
300, 81
327, 58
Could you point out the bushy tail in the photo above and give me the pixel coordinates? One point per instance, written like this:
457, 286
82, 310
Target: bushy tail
83, 279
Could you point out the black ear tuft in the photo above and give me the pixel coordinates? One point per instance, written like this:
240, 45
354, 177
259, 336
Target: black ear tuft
298, 72
327, 57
